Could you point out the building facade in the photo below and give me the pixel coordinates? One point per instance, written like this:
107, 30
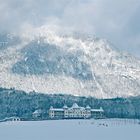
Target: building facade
37, 114
10, 119
75, 112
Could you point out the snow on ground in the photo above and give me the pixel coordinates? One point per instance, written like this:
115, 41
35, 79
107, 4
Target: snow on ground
111, 129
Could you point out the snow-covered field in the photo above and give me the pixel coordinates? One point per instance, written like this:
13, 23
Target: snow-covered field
112, 129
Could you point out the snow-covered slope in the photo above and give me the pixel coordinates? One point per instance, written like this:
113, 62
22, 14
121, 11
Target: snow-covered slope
48, 62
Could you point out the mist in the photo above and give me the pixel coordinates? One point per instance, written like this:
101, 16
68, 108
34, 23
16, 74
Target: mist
117, 21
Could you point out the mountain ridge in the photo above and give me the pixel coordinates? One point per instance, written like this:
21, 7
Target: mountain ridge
86, 66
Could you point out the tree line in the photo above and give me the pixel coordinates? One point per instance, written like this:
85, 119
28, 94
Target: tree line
21, 104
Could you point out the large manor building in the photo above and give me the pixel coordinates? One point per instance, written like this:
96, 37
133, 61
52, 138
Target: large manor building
75, 112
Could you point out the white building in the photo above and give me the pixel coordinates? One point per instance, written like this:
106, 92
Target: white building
37, 113
10, 119
75, 112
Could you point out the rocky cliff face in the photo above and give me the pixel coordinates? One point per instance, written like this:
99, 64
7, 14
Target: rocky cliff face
70, 64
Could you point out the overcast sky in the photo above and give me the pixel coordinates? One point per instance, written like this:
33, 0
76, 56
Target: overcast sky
116, 20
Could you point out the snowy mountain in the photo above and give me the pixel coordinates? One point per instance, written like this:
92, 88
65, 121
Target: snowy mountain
48, 62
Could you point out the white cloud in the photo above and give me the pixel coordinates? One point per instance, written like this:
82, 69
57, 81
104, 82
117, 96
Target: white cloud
115, 20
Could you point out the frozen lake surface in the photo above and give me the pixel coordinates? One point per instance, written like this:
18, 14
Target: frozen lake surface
111, 129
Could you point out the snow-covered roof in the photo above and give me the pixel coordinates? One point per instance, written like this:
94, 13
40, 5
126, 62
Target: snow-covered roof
65, 106
88, 107
97, 110
57, 109
75, 105
37, 111
51, 107
14, 117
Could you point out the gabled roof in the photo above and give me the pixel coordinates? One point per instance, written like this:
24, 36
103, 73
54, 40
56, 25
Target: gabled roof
65, 107
75, 106
39, 111
88, 107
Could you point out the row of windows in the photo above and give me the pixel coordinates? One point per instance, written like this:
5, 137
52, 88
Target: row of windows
73, 114
77, 112
70, 115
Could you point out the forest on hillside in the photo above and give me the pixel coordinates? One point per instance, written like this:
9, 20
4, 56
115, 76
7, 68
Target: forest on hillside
21, 104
